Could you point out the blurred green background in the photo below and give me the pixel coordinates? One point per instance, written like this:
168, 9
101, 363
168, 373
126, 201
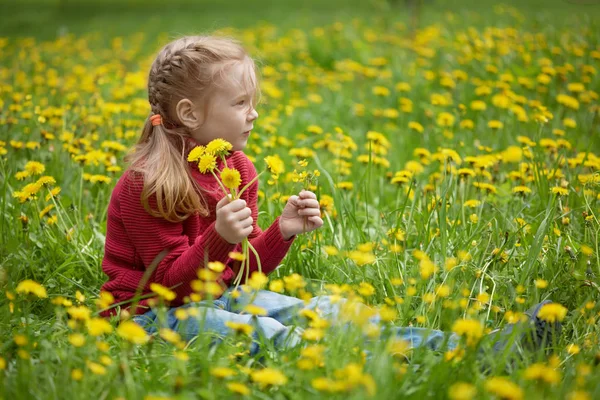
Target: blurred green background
47, 19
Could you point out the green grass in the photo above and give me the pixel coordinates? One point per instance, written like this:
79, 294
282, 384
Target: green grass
64, 73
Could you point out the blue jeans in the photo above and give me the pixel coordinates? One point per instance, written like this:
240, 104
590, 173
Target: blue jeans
278, 325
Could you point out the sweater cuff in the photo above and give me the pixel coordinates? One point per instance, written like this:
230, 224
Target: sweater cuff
212, 246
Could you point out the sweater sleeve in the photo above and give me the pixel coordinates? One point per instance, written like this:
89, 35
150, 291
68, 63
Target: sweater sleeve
270, 245
151, 235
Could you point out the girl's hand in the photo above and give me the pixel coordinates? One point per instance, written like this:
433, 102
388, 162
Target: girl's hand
234, 221
301, 214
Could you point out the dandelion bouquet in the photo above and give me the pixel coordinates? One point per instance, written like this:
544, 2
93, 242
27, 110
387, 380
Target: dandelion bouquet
229, 180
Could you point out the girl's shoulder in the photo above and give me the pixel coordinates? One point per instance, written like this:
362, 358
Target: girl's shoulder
131, 183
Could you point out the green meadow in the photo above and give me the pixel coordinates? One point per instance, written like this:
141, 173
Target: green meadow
454, 149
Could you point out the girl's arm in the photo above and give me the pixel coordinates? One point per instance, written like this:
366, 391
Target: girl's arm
151, 235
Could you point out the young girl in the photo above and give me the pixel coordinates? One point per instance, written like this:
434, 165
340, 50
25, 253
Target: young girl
166, 220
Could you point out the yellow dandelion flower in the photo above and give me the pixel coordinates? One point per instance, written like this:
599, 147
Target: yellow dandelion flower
218, 147
275, 164
222, 372
216, 266
207, 163
163, 292
462, 391
239, 327
76, 339
132, 332
98, 326
196, 153
96, 368
560, 191
504, 388
77, 374
258, 280
35, 168
236, 256
269, 377
238, 388
471, 329
552, 312
231, 178
31, 287
253, 309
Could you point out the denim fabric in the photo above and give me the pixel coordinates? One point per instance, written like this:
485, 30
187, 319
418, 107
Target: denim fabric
278, 326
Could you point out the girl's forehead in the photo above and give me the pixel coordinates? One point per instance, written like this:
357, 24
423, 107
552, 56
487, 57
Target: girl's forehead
237, 80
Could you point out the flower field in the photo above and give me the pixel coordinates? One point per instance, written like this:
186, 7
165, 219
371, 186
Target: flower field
457, 165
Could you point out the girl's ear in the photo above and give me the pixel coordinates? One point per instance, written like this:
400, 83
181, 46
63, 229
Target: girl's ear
189, 115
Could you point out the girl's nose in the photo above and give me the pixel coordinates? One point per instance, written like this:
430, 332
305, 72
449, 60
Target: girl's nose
252, 115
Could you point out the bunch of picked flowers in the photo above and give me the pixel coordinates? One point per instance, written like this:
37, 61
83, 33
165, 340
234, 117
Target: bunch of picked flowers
229, 180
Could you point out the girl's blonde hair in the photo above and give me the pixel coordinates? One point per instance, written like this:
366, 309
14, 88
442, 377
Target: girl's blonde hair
187, 68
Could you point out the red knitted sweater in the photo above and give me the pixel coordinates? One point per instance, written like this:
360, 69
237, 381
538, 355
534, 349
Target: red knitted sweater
134, 238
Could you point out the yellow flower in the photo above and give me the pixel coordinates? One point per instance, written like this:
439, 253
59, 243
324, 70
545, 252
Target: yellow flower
238, 388
132, 332
216, 266
462, 391
76, 374
275, 164
231, 178
471, 329
236, 256
541, 283
253, 309
81, 313
239, 327
35, 168
521, 190
76, 339
28, 286
552, 312
2, 364
163, 292
504, 388
445, 119
268, 376
20, 340
560, 191
573, 349
258, 280
398, 347
415, 126
170, 335
361, 258
196, 153
222, 372
277, 286
105, 300
218, 147
543, 373
495, 124
579, 395
207, 163
96, 368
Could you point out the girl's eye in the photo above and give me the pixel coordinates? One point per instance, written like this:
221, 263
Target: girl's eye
241, 102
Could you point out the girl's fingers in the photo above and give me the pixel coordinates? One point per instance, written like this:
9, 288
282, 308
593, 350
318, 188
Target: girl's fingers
247, 222
308, 203
307, 194
316, 221
308, 212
